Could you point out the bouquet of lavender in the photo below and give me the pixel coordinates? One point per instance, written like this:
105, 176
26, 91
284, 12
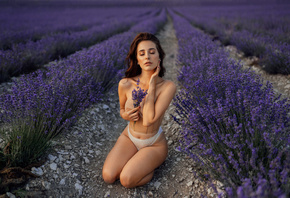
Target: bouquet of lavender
138, 95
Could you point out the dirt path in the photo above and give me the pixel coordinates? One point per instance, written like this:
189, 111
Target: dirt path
172, 178
74, 167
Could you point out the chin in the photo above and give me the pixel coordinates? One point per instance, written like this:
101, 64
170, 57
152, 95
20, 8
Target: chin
149, 68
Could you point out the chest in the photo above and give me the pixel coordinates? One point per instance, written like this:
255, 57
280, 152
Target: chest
130, 103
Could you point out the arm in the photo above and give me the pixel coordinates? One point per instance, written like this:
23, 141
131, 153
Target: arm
133, 114
152, 112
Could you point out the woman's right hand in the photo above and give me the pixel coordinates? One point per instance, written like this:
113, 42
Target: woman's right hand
133, 114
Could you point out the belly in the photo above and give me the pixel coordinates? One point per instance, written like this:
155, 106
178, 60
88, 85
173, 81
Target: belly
141, 132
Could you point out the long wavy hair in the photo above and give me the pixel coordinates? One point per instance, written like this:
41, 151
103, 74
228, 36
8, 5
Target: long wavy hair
131, 60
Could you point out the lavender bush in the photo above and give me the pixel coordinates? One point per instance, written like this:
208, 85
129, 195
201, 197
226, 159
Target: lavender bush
22, 24
24, 146
249, 43
51, 99
32, 55
276, 59
233, 126
249, 29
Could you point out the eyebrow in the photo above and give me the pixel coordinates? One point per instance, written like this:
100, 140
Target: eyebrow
144, 50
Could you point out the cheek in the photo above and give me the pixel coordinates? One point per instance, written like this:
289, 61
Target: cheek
156, 57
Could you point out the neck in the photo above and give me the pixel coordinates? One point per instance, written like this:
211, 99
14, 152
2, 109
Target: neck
145, 77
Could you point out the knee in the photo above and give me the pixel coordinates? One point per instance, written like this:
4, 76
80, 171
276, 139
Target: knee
127, 180
108, 176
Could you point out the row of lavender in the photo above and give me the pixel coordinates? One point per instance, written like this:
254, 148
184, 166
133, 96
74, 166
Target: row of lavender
20, 24
42, 104
259, 30
30, 55
235, 128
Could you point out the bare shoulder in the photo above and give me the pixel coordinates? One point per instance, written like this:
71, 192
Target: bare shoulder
125, 83
169, 85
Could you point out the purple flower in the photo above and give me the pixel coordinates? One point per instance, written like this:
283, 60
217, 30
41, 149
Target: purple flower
138, 95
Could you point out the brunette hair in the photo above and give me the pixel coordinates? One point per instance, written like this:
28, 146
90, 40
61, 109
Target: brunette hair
131, 60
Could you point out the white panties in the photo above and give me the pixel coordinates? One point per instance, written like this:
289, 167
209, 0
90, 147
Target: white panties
139, 143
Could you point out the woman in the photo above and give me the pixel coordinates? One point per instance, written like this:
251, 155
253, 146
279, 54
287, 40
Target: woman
142, 146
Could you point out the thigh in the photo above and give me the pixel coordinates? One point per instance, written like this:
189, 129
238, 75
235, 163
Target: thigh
123, 150
145, 161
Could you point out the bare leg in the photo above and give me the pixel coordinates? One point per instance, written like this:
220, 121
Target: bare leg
139, 169
123, 150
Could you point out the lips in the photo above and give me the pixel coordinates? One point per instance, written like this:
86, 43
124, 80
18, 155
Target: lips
148, 63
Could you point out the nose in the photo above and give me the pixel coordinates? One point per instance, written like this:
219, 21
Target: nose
147, 56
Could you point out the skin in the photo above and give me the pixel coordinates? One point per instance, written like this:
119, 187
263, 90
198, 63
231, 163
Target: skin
125, 162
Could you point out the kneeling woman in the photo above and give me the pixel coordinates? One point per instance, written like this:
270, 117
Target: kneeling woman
142, 146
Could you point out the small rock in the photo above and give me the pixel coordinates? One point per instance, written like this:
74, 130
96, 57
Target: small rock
51, 157
37, 171
157, 185
27, 187
101, 127
10, 195
287, 86
113, 105
189, 184
181, 179
150, 193
209, 191
105, 106
107, 194
60, 158
79, 188
46, 185
62, 181
53, 166
87, 160
72, 157
66, 166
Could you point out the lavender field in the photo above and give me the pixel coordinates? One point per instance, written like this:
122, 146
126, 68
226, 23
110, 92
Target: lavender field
57, 61
261, 31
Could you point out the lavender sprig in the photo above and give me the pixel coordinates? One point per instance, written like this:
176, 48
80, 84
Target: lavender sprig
138, 95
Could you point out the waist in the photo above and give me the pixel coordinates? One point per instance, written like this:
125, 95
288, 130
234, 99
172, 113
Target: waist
143, 134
